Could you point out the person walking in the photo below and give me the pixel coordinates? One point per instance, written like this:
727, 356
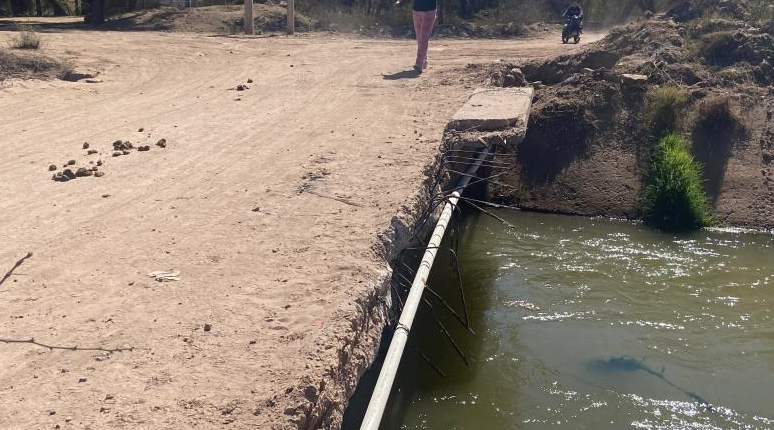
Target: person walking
425, 12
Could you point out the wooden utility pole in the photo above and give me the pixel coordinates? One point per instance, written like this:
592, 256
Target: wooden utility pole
249, 24
291, 17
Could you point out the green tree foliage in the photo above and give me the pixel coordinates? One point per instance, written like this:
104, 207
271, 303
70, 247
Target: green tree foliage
675, 198
607, 11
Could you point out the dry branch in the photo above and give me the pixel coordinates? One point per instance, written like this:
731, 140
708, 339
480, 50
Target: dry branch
15, 266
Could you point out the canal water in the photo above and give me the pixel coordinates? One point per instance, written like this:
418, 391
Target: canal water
592, 324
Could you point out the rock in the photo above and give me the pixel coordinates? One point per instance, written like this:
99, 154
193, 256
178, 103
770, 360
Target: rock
207, 327
95, 169
125, 152
128, 145
253, 342
68, 174
118, 144
52, 167
85, 145
71, 163
249, 81
91, 151
109, 397
515, 78
768, 158
143, 148
82, 172
80, 380
117, 154
104, 196
634, 81
141, 130
51, 412
99, 162
241, 87
162, 143
587, 71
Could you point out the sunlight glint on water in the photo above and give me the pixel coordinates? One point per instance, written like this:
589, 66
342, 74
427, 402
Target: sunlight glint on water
597, 324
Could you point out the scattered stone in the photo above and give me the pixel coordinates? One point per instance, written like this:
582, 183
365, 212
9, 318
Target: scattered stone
68, 173
91, 151
256, 209
241, 87
81, 380
71, 163
117, 154
141, 130
634, 81
162, 143
118, 144
99, 174
125, 152
515, 78
82, 172
249, 81
143, 148
207, 327
85, 145
51, 412
99, 162
51, 168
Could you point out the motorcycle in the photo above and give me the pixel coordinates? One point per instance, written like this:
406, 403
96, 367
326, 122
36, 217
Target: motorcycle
572, 29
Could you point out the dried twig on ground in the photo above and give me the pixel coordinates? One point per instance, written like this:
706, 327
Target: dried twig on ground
69, 348
338, 199
15, 266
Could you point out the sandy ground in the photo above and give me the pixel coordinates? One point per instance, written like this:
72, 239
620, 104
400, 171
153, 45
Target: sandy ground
276, 272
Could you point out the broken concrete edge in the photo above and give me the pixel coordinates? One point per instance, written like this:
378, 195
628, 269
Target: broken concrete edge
494, 108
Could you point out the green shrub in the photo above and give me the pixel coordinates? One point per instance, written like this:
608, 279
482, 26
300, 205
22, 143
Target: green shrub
663, 110
675, 199
26, 39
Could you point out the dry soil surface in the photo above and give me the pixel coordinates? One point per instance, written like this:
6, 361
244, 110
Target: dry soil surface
240, 202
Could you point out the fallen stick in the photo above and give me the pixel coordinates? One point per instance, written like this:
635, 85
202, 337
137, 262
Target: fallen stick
15, 266
338, 199
69, 348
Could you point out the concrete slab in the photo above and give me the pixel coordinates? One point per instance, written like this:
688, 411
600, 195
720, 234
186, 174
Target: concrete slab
491, 109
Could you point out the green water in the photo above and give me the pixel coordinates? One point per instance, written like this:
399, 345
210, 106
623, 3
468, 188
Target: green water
594, 324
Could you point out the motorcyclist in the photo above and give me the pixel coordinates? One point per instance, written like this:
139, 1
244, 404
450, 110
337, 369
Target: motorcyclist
574, 10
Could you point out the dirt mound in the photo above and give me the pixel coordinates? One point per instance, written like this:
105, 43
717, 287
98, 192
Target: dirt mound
30, 66
588, 144
226, 19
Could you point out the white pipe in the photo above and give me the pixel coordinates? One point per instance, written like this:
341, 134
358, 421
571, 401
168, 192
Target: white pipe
381, 394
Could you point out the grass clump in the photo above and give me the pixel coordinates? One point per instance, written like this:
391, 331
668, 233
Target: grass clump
675, 199
716, 114
718, 48
665, 105
26, 38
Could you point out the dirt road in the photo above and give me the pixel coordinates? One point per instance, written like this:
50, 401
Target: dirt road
240, 202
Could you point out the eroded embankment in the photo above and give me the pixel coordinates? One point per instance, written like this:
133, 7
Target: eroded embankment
322, 405
589, 142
